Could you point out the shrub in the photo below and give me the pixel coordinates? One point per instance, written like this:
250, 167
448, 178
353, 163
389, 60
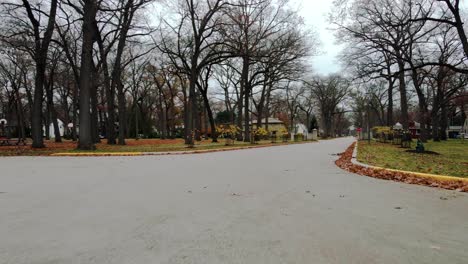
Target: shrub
227, 131
377, 130
261, 132
283, 132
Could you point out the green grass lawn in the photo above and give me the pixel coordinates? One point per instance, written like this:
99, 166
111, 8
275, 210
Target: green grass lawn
452, 161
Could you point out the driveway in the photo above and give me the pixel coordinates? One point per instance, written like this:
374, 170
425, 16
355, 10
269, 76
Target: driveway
285, 204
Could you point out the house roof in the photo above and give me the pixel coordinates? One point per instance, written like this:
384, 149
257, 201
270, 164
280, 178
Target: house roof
271, 120
455, 128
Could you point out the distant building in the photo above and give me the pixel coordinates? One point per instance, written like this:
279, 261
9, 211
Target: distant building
274, 124
352, 130
415, 129
464, 129
454, 131
51, 129
301, 129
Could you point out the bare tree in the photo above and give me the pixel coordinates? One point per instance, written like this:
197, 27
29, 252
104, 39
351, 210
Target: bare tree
194, 43
329, 92
89, 13
42, 35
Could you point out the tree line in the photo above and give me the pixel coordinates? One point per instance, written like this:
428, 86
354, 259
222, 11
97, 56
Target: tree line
119, 69
115, 69
407, 60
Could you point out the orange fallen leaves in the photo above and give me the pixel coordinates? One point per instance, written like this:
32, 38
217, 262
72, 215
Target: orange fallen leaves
345, 163
144, 142
67, 145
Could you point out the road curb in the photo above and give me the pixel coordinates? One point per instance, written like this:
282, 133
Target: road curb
102, 154
117, 154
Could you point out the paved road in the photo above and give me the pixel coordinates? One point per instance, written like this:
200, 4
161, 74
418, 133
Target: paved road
287, 204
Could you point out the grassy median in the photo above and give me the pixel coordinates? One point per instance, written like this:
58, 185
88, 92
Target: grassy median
142, 145
451, 158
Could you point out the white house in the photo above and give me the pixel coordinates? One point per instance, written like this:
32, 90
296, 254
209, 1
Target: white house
301, 129
51, 129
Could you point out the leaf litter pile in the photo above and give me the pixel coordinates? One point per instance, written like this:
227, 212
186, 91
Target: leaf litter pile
345, 163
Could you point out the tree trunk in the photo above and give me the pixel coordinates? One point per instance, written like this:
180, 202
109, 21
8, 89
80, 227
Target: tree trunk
435, 125
58, 136
247, 88
171, 120
214, 135
94, 113
122, 112
163, 122
102, 120
192, 106
36, 115
443, 122
197, 118
186, 121
20, 114
109, 89
422, 105
110, 131
391, 82
267, 108
86, 138
40, 57
403, 97
47, 123
240, 107
261, 104
52, 113
459, 24
75, 114
327, 125
127, 17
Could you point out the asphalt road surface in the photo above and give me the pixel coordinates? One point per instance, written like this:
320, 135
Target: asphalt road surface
286, 204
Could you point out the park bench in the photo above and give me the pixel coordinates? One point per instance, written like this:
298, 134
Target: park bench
20, 141
5, 141
5, 135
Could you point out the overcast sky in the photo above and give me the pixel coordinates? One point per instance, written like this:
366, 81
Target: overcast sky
315, 13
